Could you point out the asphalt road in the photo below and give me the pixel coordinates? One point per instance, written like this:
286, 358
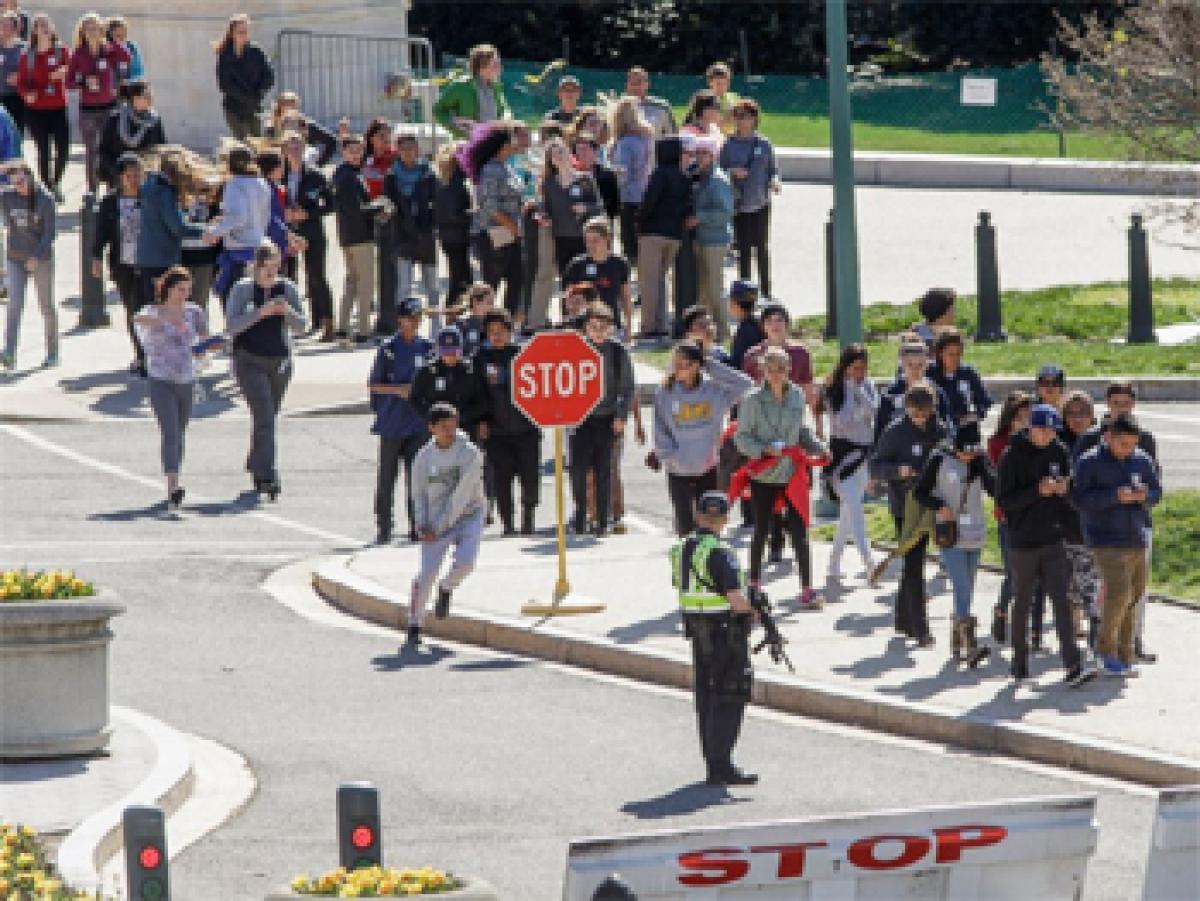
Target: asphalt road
487, 763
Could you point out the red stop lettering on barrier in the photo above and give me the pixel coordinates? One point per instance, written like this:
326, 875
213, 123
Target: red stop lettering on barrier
951, 841
722, 868
791, 857
862, 852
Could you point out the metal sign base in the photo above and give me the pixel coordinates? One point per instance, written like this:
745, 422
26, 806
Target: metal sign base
558, 608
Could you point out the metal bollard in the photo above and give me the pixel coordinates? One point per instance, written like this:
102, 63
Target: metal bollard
831, 328
614, 888
987, 280
1141, 292
91, 289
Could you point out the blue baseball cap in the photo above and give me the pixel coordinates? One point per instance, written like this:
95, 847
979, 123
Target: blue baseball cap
409, 306
449, 340
713, 502
1044, 416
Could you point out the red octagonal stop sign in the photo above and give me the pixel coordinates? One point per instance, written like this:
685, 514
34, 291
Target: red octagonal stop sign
557, 379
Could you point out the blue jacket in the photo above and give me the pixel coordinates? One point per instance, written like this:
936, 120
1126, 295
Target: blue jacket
10, 138
714, 208
1106, 521
160, 242
396, 363
964, 390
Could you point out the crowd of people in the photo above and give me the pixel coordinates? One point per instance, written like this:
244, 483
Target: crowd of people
581, 219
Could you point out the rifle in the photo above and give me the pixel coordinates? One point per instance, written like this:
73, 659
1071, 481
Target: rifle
773, 640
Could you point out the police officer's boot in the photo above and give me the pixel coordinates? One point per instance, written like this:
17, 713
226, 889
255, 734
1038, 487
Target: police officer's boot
973, 653
527, 520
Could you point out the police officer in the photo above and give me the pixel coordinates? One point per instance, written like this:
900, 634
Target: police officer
717, 617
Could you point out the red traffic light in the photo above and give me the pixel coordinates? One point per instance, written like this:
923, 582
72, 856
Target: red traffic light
362, 837
150, 857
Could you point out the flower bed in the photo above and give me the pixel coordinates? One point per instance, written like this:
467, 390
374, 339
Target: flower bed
26, 585
377, 882
26, 873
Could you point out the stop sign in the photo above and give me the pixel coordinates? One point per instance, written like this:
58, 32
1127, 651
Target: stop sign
557, 379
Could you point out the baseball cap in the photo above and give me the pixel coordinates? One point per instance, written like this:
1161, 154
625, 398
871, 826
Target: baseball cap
409, 306
744, 293
713, 502
1044, 416
967, 436
568, 81
449, 339
1053, 374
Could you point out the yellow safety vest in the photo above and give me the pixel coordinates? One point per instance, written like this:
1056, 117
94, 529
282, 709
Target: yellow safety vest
696, 593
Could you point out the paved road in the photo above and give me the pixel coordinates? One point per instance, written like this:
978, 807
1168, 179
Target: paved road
487, 763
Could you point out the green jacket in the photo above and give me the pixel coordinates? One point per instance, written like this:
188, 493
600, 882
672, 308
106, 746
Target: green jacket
763, 420
460, 100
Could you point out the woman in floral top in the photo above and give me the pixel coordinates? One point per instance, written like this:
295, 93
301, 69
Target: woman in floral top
169, 332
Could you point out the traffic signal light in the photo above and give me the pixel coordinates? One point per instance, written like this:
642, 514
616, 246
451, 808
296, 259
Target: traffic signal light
359, 841
145, 854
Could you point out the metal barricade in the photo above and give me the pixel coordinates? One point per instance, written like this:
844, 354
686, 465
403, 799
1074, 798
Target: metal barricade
359, 77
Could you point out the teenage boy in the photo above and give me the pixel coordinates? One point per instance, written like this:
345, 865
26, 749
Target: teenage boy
719, 77
449, 505
1121, 399
399, 425
655, 110
569, 92
355, 214
1116, 485
608, 271
448, 378
776, 325
747, 331
898, 459
698, 326
1032, 486
514, 444
667, 208
749, 158
593, 439
1051, 384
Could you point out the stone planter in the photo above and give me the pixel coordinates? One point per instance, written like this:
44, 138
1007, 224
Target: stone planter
473, 890
54, 677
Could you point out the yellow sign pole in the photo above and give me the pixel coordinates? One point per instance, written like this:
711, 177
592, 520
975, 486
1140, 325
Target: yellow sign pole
562, 588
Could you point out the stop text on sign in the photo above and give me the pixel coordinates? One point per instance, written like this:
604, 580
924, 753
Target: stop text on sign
876, 853
551, 378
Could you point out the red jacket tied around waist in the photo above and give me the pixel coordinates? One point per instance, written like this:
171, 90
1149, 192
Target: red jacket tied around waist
36, 87
796, 491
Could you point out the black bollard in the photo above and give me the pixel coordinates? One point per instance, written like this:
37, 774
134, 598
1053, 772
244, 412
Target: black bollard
614, 888
1141, 293
831, 328
685, 280
987, 280
91, 289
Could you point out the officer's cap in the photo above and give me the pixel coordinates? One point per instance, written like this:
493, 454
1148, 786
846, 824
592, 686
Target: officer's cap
714, 503
409, 306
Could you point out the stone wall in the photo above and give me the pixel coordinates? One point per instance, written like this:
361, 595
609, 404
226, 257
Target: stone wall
176, 37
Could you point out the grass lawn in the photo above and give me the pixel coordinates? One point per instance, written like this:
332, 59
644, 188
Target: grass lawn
1072, 325
794, 130
1176, 536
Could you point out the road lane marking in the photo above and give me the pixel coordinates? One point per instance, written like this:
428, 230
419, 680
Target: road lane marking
156, 484
1173, 417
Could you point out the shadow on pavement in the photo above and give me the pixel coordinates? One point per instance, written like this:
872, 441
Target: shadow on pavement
244, 502
681, 801
667, 624
154, 511
411, 656
896, 656
491, 665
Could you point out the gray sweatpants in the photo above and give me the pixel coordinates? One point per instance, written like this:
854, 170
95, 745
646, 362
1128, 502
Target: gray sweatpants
43, 283
464, 538
172, 406
263, 381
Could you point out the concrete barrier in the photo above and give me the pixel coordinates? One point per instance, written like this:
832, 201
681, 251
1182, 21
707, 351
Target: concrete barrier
1173, 867
1029, 848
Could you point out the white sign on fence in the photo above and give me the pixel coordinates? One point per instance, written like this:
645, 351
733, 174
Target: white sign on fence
978, 92
1032, 848
1173, 867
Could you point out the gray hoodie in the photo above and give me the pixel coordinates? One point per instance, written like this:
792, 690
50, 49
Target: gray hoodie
688, 422
447, 484
245, 212
29, 221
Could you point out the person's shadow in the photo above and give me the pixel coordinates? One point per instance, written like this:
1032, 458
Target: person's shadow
681, 801
410, 656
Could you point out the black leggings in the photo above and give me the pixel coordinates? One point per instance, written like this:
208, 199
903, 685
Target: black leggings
502, 264
458, 262
45, 124
684, 492
751, 232
565, 250
629, 232
763, 496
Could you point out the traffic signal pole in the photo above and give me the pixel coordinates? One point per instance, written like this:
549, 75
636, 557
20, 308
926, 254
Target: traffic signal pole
845, 225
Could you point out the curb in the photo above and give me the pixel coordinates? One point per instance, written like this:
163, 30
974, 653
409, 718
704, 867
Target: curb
170, 783
363, 598
949, 171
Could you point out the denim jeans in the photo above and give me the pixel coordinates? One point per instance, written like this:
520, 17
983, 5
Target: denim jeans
406, 283
961, 565
43, 286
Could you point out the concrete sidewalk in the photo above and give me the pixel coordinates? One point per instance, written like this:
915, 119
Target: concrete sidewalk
850, 665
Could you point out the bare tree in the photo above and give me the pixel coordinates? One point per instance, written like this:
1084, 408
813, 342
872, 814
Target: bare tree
1138, 80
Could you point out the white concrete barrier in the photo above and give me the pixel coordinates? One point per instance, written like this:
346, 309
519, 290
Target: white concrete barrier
1173, 867
1021, 849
